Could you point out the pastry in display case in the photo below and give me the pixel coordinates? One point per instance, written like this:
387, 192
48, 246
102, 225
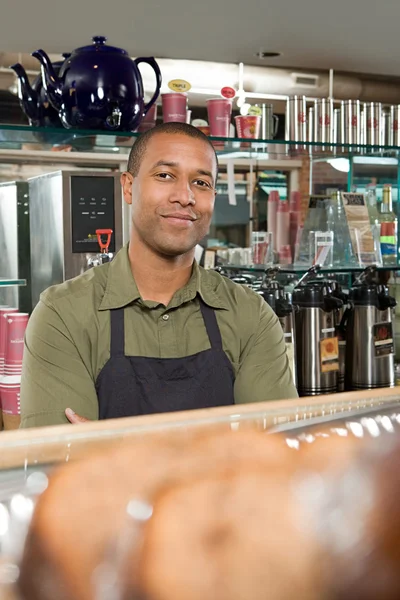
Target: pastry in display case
226, 503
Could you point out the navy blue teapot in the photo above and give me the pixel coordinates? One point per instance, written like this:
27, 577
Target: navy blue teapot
98, 87
33, 98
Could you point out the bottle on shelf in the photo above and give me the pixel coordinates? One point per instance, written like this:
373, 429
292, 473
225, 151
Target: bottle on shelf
372, 204
388, 235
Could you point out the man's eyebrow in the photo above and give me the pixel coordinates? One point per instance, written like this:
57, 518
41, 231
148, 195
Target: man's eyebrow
206, 173
167, 163
164, 163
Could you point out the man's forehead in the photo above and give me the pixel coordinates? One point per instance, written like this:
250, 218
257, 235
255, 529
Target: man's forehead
165, 146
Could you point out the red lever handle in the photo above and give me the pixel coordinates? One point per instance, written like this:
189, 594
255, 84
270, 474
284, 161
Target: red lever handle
104, 245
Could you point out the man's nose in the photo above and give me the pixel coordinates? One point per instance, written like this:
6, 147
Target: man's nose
182, 193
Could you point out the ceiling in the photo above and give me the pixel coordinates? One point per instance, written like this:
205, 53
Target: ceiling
346, 35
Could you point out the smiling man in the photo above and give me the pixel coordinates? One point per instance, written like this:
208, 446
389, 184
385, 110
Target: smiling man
152, 331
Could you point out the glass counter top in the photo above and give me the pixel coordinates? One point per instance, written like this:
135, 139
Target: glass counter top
299, 269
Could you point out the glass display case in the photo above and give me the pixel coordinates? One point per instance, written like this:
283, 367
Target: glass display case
28, 458
28, 448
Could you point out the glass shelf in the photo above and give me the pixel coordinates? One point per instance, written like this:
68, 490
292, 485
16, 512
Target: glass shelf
300, 269
82, 140
12, 282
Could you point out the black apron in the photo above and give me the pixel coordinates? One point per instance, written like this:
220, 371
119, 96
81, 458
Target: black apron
137, 385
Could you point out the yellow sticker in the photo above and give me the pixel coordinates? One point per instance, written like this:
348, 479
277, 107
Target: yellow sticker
179, 85
329, 354
255, 111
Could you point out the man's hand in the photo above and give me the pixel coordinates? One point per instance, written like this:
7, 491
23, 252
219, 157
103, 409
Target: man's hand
74, 418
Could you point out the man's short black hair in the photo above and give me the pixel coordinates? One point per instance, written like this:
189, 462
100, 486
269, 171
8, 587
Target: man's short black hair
139, 147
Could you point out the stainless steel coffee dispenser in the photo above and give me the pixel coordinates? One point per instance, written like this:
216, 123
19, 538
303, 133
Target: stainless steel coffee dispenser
14, 244
317, 346
66, 209
337, 291
274, 294
369, 324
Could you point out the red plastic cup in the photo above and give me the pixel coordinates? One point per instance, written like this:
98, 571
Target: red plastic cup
219, 116
16, 325
248, 126
174, 106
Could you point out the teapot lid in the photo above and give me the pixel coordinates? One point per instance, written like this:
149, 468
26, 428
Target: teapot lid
99, 45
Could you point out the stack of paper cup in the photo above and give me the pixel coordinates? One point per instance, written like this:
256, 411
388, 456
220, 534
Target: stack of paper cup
12, 331
10, 387
4, 310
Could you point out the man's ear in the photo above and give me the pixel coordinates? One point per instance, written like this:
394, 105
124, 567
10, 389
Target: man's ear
126, 183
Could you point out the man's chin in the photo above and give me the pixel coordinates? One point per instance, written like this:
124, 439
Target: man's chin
174, 252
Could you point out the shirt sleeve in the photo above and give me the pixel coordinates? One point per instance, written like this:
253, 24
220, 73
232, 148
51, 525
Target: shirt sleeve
264, 372
54, 376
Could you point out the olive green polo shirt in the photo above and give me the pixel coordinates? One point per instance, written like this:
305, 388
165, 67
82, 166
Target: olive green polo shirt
67, 341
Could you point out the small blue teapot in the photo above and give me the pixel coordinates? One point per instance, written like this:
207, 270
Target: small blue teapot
33, 98
98, 87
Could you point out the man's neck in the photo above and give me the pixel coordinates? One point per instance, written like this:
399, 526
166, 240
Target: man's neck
158, 277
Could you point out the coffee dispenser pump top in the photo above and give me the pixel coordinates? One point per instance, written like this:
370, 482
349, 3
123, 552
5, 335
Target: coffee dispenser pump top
367, 291
273, 293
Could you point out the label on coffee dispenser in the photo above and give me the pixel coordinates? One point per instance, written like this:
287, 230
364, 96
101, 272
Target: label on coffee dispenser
383, 339
329, 349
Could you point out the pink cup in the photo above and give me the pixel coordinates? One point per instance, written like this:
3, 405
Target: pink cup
16, 325
10, 395
149, 120
174, 106
219, 116
3, 333
248, 126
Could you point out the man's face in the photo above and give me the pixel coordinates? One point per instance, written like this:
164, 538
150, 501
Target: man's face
173, 194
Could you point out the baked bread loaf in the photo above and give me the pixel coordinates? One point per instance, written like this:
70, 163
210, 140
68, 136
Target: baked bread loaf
84, 508
231, 516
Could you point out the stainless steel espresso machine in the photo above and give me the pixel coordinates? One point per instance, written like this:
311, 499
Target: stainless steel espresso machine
14, 244
66, 210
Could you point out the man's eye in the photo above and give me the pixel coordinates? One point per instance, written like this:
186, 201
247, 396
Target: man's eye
202, 183
163, 175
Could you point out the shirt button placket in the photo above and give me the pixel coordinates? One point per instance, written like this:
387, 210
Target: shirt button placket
168, 342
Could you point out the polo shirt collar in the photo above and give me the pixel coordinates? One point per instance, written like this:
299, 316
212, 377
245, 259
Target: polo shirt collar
121, 288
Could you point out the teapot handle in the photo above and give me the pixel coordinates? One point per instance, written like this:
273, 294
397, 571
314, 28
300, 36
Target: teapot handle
153, 63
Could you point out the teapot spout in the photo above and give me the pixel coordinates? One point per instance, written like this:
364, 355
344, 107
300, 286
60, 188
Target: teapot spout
28, 97
51, 81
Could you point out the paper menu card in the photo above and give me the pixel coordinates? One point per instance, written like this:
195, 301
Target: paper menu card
359, 226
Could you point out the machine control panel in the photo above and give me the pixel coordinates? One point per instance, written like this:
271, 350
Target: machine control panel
92, 207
